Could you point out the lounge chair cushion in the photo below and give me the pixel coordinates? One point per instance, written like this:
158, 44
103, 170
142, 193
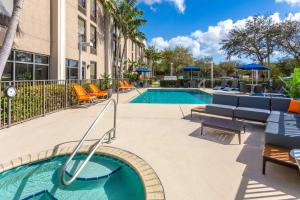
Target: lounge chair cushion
219, 109
280, 104
231, 100
254, 114
255, 102
281, 117
285, 134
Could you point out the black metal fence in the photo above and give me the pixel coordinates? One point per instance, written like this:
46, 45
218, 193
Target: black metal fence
38, 98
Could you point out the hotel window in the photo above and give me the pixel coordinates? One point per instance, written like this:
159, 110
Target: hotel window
93, 38
81, 31
93, 10
83, 70
26, 66
41, 67
71, 69
93, 70
82, 6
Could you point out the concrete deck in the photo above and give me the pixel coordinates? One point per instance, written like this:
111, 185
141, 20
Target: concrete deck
190, 166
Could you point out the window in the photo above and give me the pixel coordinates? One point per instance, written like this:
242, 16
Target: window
83, 71
82, 6
8, 72
41, 59
93, 70
26, 66
71, 69
93, 39
81, 30
41, 72
93, 10
24, 57
24, 71
82, 3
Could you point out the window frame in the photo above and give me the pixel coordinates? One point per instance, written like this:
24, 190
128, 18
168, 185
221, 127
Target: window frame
85, 32
12, 59
93, 49
93, 10
82, 8
95, 70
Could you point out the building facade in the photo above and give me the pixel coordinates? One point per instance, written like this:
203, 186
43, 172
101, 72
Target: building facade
47, 43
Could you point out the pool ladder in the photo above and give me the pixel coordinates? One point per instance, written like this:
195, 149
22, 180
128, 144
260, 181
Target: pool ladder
95, 146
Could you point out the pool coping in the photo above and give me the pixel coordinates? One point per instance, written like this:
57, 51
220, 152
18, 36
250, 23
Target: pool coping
152, 185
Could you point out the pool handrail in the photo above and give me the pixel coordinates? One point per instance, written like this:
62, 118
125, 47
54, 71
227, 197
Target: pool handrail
95, 146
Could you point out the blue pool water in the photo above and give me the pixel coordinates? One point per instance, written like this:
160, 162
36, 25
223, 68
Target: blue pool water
173, 96
40, 181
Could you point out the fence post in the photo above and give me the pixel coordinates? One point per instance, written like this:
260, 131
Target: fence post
9, 112
66, 95
44, 98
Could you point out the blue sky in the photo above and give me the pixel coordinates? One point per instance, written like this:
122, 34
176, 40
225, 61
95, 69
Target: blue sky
200, 24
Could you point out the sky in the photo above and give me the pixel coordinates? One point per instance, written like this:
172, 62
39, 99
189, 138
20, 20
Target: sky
200, 25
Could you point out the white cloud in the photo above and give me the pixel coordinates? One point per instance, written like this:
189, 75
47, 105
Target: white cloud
180, 4
207, 43
290, 2
181, 41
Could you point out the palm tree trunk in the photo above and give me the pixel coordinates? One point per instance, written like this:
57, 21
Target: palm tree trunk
10, 34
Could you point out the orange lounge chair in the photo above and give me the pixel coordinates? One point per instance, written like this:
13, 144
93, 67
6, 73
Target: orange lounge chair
127, 84
97, 92
82, 95
122, 86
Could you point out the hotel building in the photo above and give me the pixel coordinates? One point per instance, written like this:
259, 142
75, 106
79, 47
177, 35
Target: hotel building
49, 33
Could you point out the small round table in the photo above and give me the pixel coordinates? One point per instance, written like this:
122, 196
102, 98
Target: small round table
295, 153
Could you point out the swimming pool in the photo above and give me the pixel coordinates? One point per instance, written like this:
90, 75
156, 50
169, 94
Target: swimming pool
173, 96
104, 178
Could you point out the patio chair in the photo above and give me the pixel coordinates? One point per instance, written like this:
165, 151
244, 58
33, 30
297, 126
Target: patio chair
82, 95
123, 87
127, 84
222, 86
233, 87
97, 92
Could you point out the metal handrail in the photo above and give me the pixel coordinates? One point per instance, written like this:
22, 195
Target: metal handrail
96, 145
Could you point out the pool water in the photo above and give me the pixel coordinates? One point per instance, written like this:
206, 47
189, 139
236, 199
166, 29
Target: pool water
173, 96
104, 178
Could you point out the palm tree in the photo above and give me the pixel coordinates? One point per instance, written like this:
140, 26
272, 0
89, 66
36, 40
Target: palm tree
127, 19
10, 34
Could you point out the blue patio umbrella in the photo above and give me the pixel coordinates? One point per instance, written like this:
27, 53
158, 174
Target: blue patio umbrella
191, 69
253, 67
143, 70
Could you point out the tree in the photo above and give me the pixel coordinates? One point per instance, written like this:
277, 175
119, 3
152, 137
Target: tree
227, 68
288, 38
256, 40
205, 65
153, 57
127, 19
180, 57
10, 34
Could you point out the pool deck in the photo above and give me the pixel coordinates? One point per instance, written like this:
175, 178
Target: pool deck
190, 166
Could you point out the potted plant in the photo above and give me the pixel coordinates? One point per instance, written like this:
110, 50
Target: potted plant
107, 84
